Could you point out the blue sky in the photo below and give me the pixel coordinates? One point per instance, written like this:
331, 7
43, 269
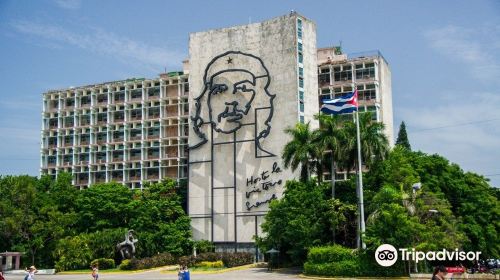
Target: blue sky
444, 57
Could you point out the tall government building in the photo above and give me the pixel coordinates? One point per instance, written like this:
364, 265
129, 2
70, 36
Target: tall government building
219, 123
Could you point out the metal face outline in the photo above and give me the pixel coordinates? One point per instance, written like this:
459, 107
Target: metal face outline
198, 122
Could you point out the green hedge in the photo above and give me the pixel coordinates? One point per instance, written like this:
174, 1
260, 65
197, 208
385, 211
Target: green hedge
345, 262
145, 263
126, 265
103, 263
333, 253
227, 258
216, 264
346, 268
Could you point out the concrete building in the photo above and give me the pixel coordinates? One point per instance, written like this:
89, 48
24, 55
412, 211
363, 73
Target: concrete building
125, 131
247, 84
369, 73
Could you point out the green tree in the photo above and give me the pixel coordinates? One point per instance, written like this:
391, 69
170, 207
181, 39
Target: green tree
374, 143
332, 137
104, 206
301, 150
297, 221
402, 139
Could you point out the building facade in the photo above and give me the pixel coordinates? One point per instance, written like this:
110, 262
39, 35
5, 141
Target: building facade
219, 124
127, 131
248, 83
369, 73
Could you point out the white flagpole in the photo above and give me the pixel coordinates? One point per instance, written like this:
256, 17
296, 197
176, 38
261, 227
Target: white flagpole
361, 207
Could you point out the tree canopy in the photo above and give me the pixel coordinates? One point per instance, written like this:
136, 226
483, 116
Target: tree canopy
54, 223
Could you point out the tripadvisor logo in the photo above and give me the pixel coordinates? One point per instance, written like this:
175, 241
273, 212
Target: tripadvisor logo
387, 255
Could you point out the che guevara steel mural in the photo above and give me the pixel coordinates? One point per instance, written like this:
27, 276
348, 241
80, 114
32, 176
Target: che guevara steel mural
232, 82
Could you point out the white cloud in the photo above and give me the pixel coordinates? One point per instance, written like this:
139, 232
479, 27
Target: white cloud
105, 43
68, 4
477, 48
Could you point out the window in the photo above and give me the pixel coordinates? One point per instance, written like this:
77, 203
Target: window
301, 58
301, 72
300, 47
299, 28
301, 82
136, 94
301, 107
343, 73
301, 95
85, 100
154, 92
324, 78
119, 97
366, 72
301, 118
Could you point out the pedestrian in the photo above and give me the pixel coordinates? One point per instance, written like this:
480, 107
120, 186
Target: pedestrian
95, 271
30, 273
1, 273
180, 273
439, 273
187, 275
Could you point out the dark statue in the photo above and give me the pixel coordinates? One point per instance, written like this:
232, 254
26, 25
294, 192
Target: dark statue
127, 247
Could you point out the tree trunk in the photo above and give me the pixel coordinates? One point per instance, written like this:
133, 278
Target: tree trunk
332, 180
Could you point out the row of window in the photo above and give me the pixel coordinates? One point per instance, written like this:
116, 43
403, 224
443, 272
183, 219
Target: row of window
300, 60
345, 73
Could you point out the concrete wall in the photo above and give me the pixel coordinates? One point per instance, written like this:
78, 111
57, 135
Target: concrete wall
385, 87
233, 181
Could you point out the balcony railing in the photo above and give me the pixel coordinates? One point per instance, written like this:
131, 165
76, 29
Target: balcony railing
136, 137
135, 157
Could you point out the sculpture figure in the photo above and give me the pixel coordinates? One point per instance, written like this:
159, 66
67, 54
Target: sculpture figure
127, 247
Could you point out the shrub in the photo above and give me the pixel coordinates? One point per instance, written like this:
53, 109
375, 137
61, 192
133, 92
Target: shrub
126, 265
329, 254
345, 262
216, 264
204, 246
345, 268
145, 263
103, 263
237, 259
187, 260
72, 253
209, 257
154, 261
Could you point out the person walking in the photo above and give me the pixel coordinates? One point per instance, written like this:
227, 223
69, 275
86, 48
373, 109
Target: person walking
30, 273
439, 273
180, 273
95, 271
187, 275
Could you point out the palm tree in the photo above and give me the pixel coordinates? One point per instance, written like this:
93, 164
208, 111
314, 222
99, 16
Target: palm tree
374, 143
301, 150
332, 137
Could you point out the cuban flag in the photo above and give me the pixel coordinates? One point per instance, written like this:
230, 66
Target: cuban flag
342, 105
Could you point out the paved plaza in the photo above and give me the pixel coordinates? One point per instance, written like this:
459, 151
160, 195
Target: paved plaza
250, 274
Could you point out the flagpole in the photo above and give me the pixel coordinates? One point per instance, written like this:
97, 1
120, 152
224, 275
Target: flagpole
361, 207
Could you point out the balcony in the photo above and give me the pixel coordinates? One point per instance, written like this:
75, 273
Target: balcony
135, 157
135, 137
153, 177
82, 182
118, 139
135, 177
136, 117
154, 136
117, 159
